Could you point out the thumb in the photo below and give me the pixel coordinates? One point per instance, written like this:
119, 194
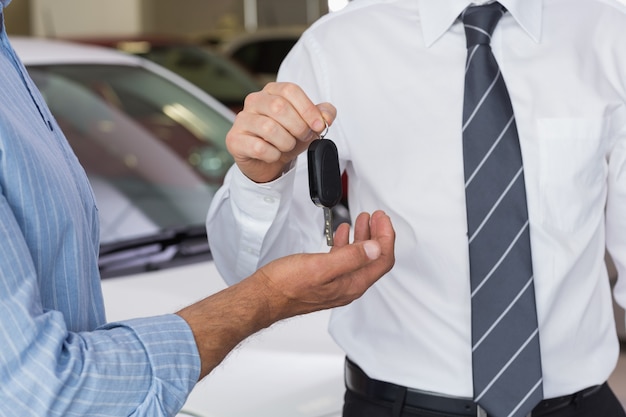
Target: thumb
348, 258
372, 249
329, 112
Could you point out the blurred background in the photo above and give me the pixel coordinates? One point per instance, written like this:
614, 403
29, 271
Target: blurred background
228, 48
215, 20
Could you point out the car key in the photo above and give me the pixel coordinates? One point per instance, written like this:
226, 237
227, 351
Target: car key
324, 179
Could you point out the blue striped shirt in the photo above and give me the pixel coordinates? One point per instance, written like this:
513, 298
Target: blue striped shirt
57, 355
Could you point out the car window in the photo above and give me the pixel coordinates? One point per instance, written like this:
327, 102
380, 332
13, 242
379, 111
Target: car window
153, 153
264, 56
224, 80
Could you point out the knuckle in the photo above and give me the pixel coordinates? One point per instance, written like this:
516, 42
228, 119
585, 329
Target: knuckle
257, 150
251, 99
277, 106
270, 86
290, 89
232, 141
261, 151
268, 128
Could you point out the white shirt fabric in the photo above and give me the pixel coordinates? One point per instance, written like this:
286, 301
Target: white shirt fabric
395, 71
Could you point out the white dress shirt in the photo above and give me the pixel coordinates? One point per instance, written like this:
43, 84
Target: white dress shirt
395, 71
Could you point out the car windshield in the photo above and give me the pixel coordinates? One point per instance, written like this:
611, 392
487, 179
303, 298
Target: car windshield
214, 74
154, 153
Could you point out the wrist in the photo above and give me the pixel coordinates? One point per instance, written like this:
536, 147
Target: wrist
222, 321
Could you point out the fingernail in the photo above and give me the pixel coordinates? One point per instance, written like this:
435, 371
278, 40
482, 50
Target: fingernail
372, 249
312, 135
318, 125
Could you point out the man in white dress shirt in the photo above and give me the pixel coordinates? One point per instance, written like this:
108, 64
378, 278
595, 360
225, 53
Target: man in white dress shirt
394, 73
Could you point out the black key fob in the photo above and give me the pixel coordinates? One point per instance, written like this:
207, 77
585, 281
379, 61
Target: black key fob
324, 174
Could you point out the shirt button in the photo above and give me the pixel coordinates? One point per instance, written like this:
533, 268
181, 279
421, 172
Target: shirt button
269, 200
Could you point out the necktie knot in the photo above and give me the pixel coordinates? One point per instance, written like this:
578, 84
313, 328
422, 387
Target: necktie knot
480, 22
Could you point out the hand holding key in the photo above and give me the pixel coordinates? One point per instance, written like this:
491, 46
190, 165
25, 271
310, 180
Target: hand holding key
325, 185
274, 127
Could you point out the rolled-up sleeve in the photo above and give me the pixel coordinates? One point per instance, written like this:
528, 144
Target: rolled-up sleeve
57, 355
142, 367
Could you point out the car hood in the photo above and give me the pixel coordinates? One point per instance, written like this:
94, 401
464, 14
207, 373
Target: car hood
42, 51
292, 369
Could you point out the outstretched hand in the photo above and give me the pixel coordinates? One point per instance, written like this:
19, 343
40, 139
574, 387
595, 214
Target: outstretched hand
293, 285
303, 283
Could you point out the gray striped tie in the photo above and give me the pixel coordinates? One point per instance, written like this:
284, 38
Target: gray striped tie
505, 339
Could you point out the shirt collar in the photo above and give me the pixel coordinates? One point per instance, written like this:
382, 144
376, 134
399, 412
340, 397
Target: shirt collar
438, 15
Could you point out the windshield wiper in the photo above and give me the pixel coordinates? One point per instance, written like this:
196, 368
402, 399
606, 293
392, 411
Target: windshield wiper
164, 249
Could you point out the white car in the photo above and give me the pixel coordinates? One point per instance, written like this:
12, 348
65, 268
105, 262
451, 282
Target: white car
153, 147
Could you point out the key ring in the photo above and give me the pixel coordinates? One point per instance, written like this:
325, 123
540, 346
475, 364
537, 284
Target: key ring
325, 131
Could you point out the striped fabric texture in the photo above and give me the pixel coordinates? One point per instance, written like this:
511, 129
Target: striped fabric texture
505, 336
58, 357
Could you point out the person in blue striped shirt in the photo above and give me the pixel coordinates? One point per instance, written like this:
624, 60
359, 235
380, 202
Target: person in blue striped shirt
58, 357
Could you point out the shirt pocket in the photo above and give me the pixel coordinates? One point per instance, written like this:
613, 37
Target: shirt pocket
573, 171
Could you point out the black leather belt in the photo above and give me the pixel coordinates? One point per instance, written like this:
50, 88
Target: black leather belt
359, 383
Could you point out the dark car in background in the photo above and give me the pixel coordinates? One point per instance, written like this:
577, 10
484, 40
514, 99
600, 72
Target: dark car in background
261, 52
221, 77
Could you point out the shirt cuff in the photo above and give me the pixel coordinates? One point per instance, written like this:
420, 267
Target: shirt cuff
173, 356
257, 207
260, 200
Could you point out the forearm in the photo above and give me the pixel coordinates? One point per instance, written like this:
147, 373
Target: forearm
221, 321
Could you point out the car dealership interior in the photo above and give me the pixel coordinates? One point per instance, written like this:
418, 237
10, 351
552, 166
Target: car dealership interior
210, 54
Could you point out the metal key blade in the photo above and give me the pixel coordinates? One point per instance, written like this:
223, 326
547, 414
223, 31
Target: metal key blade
328, 226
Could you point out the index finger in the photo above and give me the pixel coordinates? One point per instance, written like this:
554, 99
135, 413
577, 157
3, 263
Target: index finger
314, 117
